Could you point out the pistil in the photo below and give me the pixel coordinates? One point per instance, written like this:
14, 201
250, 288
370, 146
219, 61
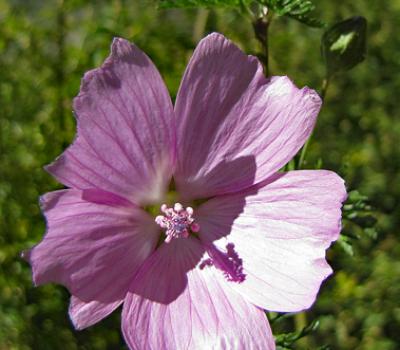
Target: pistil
178, 221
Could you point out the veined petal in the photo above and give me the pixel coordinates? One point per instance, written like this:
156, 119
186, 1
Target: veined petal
94, 248
280, 234
173, 304
85, 314
125, 140
235, 128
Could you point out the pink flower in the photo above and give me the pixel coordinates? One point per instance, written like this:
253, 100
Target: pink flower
255, 241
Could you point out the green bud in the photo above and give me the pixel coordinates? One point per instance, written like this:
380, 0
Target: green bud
344, 44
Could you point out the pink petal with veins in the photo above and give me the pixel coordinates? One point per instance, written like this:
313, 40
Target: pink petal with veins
280, 232
236, 128
125, 142
173, 304
93, 249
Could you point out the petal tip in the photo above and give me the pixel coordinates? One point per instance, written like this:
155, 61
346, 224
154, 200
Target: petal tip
285, 83
118, 40
75, 322
313, 96
71, 313
49, 199
215, 36
51, 168
338, 182
121, 47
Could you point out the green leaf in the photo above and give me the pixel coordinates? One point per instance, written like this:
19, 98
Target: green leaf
356, 205
201, 3
359, 221
371, 232
344, 44
346, 245
286, 340
300, 10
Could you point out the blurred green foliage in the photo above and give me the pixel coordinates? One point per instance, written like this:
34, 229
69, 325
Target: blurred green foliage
46, 46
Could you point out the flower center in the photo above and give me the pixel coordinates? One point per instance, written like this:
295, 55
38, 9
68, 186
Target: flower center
177, 221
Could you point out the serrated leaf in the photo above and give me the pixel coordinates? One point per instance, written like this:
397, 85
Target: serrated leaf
201, 3
359, 220
309, 21
343, 45
300, 10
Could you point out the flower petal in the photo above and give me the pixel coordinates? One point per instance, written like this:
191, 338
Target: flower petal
85, 314
226, 111
92, 248
125, 135
201, 313
280, 236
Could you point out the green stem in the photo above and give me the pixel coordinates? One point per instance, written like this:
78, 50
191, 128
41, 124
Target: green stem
324, 89
244, 9
200, 24
261, 26
300, 321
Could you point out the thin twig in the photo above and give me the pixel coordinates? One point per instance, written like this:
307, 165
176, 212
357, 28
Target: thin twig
261, 26
200, 24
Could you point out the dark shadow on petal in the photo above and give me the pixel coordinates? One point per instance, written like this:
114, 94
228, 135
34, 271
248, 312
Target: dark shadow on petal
108, 78
215, 88
214, 227
245, 166
212, 100
99, 196
162, 277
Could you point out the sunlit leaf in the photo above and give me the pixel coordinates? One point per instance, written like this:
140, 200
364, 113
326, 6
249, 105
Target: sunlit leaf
345, 242
300, 10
